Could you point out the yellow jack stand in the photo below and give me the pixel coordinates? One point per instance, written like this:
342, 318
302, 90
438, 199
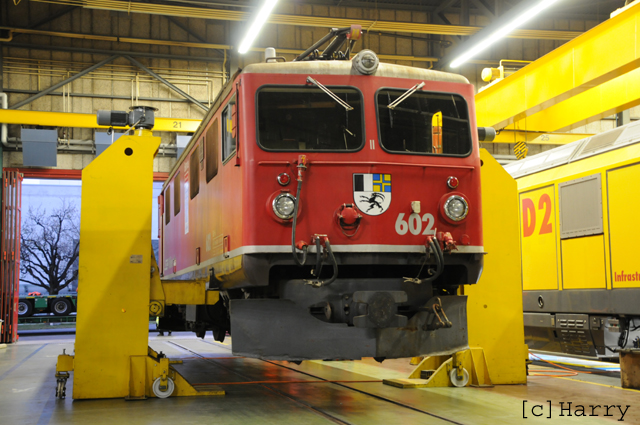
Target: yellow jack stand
116, 271
494, 308
446, 371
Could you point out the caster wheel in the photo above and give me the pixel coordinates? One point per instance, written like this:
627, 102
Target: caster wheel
61, 389
163, 393
453, 376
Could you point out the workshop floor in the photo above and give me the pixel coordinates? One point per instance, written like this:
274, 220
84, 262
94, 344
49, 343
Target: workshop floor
27, 387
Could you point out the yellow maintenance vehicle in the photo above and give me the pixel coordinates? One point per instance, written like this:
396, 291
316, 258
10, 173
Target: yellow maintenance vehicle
579, 233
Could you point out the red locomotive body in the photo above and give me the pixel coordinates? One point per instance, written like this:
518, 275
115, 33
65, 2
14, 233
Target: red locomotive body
376, 181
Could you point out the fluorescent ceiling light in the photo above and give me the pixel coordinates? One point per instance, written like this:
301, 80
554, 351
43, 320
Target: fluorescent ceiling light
257, 24
520, 20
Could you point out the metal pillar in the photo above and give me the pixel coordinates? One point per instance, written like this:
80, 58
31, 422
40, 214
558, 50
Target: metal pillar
623, 118
166, 83
10, 255
438, 17
186, 29
464, 12
64, 82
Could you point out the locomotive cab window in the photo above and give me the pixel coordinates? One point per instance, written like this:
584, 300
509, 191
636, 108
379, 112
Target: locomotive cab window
211, 150
229, 120
167, 206
194, 173
299, 118
424, 123
176, 194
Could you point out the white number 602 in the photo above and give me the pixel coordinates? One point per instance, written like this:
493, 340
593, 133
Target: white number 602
414, 224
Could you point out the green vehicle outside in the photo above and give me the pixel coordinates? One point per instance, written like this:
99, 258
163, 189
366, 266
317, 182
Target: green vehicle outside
59, 305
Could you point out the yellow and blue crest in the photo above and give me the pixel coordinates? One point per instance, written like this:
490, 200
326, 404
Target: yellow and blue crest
372, 192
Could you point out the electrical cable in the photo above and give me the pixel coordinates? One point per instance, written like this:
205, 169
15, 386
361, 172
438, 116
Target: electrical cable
293, 231
624, 333
565, 372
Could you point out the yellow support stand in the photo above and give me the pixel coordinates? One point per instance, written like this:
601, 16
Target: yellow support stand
116, 271
437, 371
497, 353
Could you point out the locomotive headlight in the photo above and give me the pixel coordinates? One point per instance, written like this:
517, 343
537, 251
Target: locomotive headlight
283, 206
456, 208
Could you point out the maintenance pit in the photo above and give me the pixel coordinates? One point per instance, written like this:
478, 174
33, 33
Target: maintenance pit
314, 392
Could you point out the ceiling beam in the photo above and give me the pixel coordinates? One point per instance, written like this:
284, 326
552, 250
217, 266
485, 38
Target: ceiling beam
53, 17
168, 84
64, 82
484, 8
110, 52
306, 21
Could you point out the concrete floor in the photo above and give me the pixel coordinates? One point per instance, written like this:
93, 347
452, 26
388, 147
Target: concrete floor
27, 387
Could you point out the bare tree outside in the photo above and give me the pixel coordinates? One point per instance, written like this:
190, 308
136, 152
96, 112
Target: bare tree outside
50, 247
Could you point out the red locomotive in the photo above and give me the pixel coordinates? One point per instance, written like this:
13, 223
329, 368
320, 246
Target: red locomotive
336, 206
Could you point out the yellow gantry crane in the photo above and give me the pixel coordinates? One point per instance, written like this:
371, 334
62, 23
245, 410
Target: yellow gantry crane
586, 79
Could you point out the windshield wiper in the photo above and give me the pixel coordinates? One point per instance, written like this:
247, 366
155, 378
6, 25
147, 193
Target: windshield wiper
405, 95
334, 96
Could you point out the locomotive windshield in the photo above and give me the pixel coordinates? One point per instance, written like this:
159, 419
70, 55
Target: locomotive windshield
424, 123
305, 118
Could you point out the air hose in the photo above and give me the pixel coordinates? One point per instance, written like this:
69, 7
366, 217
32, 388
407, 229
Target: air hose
319, 259
302, 165
320, 283
435, 247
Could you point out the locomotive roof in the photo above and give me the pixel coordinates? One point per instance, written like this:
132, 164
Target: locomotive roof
345, 68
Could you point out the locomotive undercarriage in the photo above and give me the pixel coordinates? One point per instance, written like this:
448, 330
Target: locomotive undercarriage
370, 310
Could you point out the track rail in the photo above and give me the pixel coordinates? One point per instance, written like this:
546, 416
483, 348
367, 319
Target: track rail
317, 378
313, 409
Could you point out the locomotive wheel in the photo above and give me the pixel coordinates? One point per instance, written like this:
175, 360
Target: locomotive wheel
453, 376
166, 393
61, 307
25, 309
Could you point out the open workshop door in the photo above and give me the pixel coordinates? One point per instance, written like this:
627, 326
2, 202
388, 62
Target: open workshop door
10, 250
